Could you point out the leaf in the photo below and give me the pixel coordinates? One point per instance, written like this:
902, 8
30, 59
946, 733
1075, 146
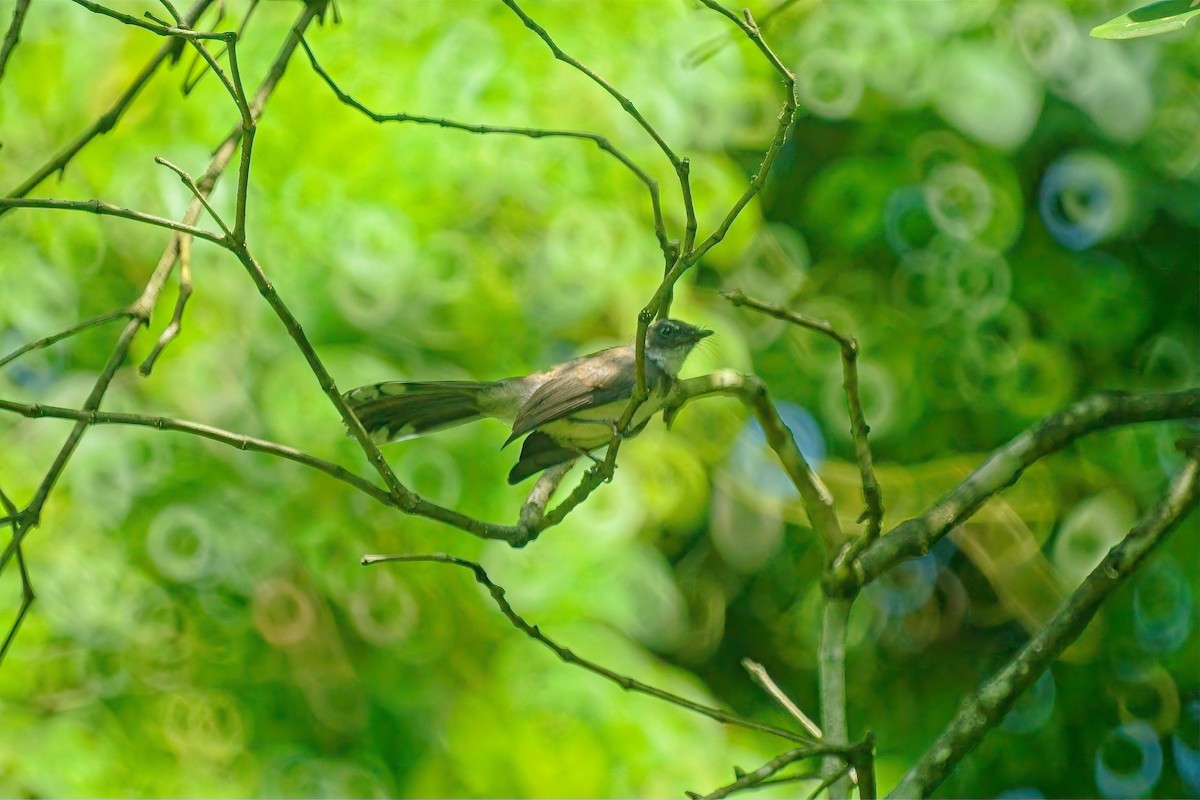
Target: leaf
1149, 20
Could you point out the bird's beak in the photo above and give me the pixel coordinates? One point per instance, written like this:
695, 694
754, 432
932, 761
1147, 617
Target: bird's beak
703, 333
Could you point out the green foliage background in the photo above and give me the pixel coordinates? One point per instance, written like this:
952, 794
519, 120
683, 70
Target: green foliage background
1005, 213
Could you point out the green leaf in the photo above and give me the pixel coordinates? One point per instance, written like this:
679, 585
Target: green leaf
1159, 17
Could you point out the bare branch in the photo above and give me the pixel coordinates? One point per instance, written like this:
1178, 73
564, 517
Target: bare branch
872, 494
818, 501
568, 656
533, 133
754, 33
660, 302
839, 774
27, 598
137, 22
916, 536
140, 310
185, 269
984, 709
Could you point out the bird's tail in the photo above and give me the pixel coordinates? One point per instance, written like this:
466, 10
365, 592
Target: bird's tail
399, 410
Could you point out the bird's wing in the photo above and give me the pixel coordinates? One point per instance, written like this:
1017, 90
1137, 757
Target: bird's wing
588, 382
538, 452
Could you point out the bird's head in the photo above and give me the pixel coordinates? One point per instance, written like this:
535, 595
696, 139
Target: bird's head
670, 341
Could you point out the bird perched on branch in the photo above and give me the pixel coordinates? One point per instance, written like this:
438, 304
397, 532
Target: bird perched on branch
567, 411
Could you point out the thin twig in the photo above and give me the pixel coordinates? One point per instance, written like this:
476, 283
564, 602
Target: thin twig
14, 33
66, 332
706, 50
33, 511
601, 142
192, 77
682, 172
625, 102
237, 440
753, 31
175, 326
108, 120
759, 776
137, 22
170, 7
27, 593
140, 310
199, 195
759, 674
862, 761
109, 210
568, 656
690, 256
27, 598
984, 709
872, 494
249, 131
786, 114
185, 269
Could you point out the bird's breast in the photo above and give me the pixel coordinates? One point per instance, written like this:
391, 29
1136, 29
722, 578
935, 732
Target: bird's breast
590, 428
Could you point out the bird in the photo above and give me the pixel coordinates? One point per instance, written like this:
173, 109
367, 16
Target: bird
563, 412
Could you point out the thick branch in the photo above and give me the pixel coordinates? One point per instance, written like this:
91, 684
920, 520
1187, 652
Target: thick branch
818, 501
835, 618
14, 33
984, 709
916, 536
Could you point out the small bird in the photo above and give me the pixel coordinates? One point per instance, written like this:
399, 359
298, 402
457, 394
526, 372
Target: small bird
567, 410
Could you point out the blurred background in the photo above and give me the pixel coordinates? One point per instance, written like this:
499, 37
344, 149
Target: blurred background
1005, 212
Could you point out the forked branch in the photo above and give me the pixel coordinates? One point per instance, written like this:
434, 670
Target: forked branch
980, 712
